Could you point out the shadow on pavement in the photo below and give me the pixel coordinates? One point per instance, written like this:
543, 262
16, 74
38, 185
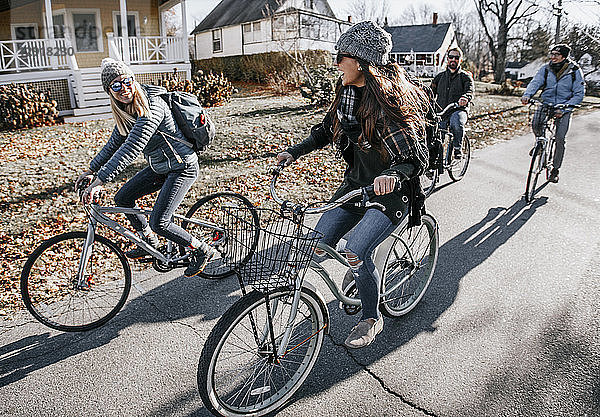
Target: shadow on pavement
179, 299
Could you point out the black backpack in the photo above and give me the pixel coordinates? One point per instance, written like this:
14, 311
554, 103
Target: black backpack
191, 118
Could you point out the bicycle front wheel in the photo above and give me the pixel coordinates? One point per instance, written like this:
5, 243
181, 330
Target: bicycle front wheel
550, 158
238, 373
210, 208
409, 267
458, 167
428, 180
534, 172
54, 294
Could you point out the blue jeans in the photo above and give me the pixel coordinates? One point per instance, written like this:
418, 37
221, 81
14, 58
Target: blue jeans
457, 120
173, 186
367, 233
538, 125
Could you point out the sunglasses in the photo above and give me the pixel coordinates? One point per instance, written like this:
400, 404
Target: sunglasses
457, 57
118, 85
551, 54
340, 56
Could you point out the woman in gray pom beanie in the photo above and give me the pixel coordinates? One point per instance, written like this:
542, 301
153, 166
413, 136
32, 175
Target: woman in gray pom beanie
145, 124
377, 124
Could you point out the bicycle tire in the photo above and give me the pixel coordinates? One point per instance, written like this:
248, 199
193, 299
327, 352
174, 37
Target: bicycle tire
209, 208
550, 158
534, 172
49, 276
429, 180
228, 385
458, 169
423, 241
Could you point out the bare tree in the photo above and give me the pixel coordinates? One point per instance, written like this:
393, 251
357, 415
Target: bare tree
375, 10
498, 17
419, 15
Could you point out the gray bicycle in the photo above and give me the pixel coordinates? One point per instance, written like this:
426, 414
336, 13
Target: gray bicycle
263, 348
77, 281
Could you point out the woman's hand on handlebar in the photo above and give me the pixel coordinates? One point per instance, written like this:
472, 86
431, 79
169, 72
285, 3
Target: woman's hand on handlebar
285, 157
92, 192
384, 184
84, 179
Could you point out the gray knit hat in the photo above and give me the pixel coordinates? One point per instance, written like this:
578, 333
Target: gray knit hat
367, 41
111, 69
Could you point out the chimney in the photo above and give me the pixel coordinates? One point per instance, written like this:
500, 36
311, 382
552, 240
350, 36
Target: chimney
349, 19
435, 17
385, 22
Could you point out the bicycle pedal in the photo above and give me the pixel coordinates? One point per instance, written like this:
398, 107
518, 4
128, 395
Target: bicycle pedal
144, 260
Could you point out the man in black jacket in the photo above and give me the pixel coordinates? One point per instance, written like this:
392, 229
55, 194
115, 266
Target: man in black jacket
454, 86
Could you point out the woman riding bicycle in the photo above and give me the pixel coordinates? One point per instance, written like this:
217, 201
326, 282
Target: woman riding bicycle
144, 124
377, 124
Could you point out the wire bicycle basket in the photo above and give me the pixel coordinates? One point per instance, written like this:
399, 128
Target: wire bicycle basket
282, 253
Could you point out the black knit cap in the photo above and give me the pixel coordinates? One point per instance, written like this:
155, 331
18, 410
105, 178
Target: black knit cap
562, 49
367, 41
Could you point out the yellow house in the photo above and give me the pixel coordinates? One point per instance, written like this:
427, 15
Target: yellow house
58, 45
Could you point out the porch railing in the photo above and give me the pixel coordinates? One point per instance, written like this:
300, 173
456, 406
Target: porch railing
35, 54
149, 49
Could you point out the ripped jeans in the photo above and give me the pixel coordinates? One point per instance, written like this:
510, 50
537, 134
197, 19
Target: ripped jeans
367, 233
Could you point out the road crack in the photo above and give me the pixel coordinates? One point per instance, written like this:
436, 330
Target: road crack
380, 380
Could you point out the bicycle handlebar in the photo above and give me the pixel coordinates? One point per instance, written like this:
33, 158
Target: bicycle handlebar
451, 106
553, 106
367, 193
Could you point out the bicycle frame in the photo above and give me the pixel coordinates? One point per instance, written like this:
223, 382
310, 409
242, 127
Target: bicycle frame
97, 215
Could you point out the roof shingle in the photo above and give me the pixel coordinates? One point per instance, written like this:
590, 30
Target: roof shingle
418, 38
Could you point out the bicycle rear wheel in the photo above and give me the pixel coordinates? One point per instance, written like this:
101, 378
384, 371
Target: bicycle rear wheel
51, 291
210, 208
458, 167
237, 372
534, 172
408, 268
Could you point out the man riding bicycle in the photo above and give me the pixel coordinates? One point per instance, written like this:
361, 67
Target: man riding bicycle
454, 85
561, 82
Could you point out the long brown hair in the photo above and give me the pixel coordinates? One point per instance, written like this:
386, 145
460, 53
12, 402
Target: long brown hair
126, 114
388, 93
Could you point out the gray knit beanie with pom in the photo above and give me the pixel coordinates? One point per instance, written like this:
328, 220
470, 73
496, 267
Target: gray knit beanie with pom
367, 41
111, 69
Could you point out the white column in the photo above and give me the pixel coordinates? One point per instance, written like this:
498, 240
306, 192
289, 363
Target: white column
184, 29
50, 29
124, 31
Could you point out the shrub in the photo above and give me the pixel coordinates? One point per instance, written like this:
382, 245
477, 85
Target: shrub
258, 67
507, 88
24, 107
211, 89
279, 84
320, 89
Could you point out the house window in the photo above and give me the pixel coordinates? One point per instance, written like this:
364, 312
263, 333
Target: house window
85, 29
58, 22
133, 22
285, 27
24, 31
216, 36
309, 4
429, 59
251, 32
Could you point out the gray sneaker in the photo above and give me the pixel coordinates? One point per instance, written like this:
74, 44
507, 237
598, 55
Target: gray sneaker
364, 333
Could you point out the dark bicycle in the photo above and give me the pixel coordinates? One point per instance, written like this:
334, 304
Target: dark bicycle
542, 155
441, 156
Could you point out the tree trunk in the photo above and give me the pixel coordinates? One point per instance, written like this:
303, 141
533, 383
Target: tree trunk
499, 75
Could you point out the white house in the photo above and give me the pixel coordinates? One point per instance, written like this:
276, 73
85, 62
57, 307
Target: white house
58, 45
421, 49
245, 27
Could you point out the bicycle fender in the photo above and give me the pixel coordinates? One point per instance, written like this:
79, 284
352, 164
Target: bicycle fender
307, 285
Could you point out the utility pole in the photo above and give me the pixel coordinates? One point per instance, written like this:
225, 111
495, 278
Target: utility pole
558, 11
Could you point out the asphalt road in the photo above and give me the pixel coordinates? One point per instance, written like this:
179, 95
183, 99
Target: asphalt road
509, 326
